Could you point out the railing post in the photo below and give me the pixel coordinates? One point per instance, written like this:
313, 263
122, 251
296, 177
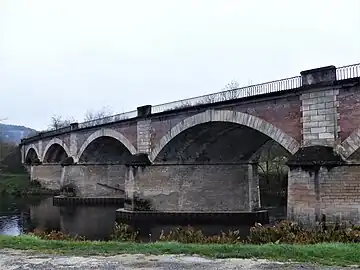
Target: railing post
144, 111
323, 75
74, 126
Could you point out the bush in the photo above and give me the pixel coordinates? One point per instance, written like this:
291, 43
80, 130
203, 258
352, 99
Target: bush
190, 235
287, 232
284, 232
124, 232
56, 235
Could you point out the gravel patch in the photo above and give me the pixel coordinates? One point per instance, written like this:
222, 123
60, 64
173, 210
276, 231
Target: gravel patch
15, 259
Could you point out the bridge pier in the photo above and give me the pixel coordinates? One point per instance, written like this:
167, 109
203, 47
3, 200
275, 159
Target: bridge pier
321, 184
96, 180
191, 189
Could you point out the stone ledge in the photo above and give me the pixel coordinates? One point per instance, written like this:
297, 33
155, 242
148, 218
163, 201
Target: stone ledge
186, 218
62, 200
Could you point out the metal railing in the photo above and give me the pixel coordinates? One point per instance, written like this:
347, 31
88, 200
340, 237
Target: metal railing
247, 91
348, 72
342, 73
108, 119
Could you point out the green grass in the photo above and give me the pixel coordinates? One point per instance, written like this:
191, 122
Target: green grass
328, 254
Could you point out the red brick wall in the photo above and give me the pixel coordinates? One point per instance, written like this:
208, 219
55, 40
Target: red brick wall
283, 113
161, 125
349, 110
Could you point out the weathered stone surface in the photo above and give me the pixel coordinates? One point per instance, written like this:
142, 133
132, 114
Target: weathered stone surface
196, 187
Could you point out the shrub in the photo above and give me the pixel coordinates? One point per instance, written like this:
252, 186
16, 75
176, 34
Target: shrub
291, 233
56, 235
190, 235
124, 232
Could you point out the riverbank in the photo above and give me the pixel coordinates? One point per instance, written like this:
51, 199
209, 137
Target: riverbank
16, 185
327, 254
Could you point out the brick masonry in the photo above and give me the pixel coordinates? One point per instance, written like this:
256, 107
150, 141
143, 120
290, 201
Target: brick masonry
144, 136
320, 125
333, 193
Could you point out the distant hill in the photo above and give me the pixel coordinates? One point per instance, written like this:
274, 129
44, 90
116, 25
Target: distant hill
13, 133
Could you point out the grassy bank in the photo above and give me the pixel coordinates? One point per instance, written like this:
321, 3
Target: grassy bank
20, 185
329, 254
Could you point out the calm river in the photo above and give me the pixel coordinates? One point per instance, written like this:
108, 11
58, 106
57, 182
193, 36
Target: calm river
19, 216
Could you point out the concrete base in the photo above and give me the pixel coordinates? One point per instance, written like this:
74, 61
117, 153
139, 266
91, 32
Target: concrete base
186, 218
64, 201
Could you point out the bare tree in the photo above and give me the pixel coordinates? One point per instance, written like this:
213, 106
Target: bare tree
93, 115
58, 122
98, 117
230, 91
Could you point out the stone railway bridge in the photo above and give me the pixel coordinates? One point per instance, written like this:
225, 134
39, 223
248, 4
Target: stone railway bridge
200, 154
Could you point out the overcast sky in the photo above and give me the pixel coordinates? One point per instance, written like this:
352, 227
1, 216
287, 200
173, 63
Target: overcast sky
64, 57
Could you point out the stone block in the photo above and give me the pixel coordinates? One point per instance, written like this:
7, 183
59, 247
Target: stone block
317, 106
318, 129
310, 101
317, 118
310, 113
326, 135
311, 124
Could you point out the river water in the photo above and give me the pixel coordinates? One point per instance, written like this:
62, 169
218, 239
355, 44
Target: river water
23, 215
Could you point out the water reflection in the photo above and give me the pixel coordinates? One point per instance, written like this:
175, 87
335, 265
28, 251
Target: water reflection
94, 222
10, 225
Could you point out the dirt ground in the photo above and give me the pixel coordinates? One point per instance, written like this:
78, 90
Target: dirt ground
14, 259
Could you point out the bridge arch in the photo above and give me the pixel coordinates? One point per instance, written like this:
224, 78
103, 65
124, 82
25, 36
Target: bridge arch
232, 117
106, 133
56, 147
31, 153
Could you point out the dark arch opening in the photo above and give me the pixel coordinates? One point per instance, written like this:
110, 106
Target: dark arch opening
55, 154
105, 150
231, 144
31, 157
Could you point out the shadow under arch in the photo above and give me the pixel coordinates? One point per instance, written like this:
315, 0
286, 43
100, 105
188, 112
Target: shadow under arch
106, 133
227, 116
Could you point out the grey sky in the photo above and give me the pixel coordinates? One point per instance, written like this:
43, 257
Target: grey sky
67, 56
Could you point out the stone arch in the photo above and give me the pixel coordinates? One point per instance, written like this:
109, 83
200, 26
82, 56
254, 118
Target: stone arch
349, 145
106, 133
32, 146
55, 141
286, 141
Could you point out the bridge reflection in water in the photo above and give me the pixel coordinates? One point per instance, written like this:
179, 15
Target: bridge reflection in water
93, 222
